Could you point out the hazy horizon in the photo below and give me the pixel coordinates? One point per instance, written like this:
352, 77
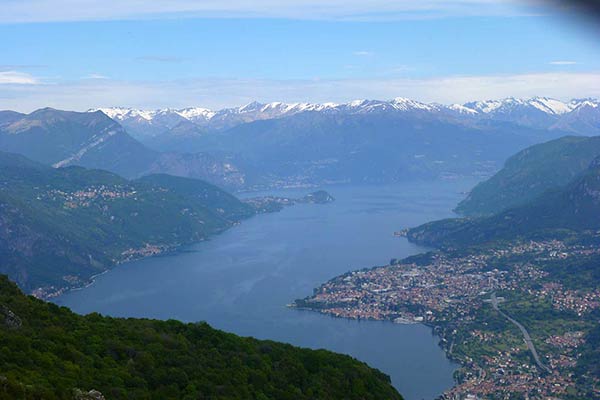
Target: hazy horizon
88, 54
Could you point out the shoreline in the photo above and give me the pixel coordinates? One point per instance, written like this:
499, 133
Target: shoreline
435, 330
43, 293
168, 250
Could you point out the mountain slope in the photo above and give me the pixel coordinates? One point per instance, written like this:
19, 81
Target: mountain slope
60, 226
156, 129
65, 138
8, 117
584, 118
531, 172
93, 140
52, 353
217, 169
538, 112
381, 145
574, 208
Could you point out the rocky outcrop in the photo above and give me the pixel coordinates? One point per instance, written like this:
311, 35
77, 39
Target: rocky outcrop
91, 395
9, 318
199, 166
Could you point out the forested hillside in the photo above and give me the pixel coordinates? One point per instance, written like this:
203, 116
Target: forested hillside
573, 209
530, 173
48, 352
60, 226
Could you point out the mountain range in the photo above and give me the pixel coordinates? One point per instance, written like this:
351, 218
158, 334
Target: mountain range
538, 112
300, 144
363, 140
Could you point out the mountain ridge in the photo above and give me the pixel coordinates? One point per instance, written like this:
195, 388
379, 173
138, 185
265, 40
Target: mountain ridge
360, 141
94, 140
559, 212
229, 117
529, 173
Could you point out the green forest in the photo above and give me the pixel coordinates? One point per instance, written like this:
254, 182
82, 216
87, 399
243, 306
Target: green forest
48, 352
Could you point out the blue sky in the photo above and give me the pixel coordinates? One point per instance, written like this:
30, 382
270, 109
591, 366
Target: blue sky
180, 53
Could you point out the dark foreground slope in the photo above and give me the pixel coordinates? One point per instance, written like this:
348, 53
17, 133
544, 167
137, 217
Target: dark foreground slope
574, 208
530, 173
60, 226
48, 352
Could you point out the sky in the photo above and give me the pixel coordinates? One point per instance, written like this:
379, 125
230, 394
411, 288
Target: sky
80, 54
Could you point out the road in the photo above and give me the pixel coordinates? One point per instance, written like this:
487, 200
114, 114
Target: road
526, 336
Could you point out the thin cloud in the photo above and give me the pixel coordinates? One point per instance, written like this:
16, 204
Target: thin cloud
16, 78
363, 53
400, 69
96, 76
26, 11
220, 93
16, 67
160, 59
562, 62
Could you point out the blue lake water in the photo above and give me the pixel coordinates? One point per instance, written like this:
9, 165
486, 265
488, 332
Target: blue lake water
241, 280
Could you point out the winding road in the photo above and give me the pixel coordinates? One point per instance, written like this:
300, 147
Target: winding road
526, 336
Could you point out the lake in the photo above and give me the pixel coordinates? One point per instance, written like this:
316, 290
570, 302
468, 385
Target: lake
241, 280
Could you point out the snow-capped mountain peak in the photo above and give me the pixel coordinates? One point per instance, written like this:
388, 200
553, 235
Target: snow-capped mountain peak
251, 107
196, 113
276, 105
537, 111
581, 103
550, 106
460, 109
404, 104
121, 113
546, 105
485, 106
357, 103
